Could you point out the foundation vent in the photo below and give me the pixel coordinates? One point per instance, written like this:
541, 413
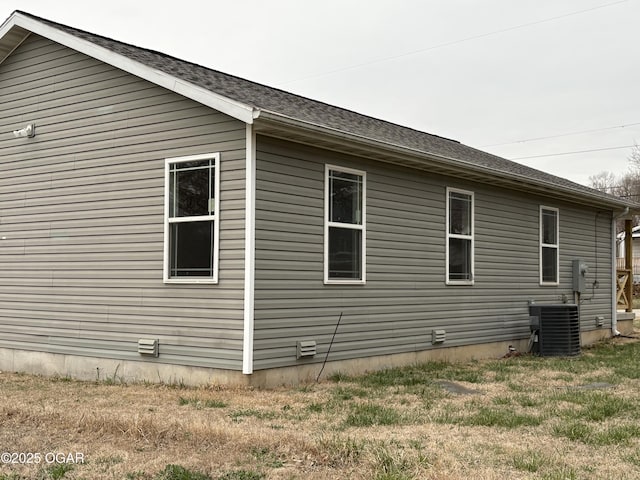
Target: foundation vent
438, 336
305, 348
148, 347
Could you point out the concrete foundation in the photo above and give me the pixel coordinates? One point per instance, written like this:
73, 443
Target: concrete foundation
594, 336
309, 373
117, 371
625, 322
127, 371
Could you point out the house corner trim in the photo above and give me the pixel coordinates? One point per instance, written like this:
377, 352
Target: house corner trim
249, 250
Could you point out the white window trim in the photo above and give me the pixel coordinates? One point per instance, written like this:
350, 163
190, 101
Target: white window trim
215, 218
550, 245
362, 227
471, 237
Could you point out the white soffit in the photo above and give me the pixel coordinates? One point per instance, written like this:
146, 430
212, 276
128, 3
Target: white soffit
17, 27
10, 39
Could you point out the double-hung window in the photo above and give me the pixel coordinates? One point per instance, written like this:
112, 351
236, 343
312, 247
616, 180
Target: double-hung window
459, 249
345, 225
549, 246
192, 201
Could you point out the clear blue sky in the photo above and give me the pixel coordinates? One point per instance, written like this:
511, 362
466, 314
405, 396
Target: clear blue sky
513, 78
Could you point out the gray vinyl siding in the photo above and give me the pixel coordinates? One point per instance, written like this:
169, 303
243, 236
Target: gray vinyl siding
405, 296
81, 207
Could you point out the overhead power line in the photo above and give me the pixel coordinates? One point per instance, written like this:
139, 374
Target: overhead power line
579, 132
453, 42
573, 153
614, 188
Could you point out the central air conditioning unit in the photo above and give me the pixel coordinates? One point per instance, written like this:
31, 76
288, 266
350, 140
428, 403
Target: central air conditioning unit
557, 328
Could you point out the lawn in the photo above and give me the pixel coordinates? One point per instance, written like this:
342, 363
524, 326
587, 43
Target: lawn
517, 418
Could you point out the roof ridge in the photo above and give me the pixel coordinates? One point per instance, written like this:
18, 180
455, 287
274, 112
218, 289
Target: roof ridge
282, 103
259, 84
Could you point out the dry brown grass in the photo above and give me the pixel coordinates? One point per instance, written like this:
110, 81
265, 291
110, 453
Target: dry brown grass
134, 431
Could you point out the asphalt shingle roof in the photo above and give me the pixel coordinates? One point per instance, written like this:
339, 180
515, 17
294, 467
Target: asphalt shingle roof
303, 109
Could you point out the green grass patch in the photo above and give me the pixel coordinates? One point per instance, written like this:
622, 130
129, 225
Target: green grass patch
616, 435
267, 457
502, 401
527, 401
633, 459
315, 407
251, 412
420, 375
342, 450
178, 472
530, 461
58, 471
601, 407
517, 387
391, 464
594, 406
349, 393
499, 417
574, 431
139, 475
371, 414
566, 367
197, 403
606, 355
565, 377
561, 473
597, 436
241, 475
504, 370
339, 377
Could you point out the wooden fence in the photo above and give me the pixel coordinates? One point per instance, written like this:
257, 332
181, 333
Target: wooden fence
636, 267
624, 296
627, 283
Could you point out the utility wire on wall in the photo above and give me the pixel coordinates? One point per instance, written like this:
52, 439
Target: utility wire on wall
329, 349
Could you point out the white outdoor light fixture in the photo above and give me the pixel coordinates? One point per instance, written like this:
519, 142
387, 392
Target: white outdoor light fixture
28, 131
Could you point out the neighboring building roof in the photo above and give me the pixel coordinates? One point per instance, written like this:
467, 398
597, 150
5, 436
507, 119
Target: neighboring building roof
254, 103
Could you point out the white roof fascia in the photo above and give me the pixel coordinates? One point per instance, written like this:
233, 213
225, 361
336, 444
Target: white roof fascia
237, 110
7, 24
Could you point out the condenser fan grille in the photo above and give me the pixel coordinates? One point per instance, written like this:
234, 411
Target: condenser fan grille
558, 328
